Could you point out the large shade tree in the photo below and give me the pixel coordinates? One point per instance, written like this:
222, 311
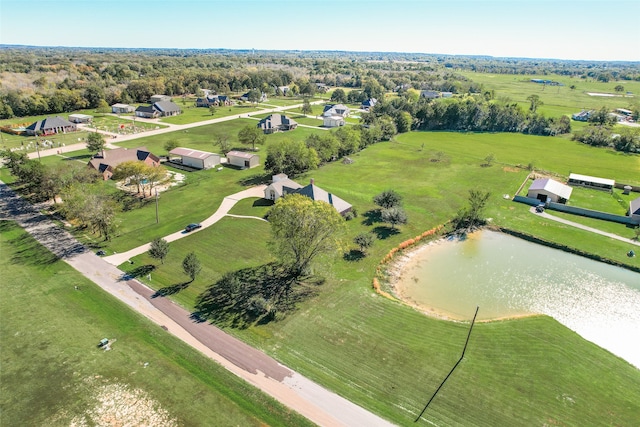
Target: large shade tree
302, 229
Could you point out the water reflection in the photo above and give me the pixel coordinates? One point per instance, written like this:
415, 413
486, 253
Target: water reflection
507, 276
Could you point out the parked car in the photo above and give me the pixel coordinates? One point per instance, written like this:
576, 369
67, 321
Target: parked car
540, 208
101, 253
192, 227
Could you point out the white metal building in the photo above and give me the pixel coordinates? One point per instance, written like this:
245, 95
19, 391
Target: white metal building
196, 158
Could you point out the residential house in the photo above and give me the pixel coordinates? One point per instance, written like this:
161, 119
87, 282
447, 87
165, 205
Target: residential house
215, 100
80, 118
429, 94
334, 114
282, 90
167, 108
277, 122
122, 108
321, 87
107, 161
281, 185
634, 210
196, 158
367, 104
147, 111
548, 190
50, 126
582, 116
591, 182
242, 159
245, 97
159, 98
158, 109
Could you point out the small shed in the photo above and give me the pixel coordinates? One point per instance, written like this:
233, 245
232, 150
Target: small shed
80, 118
591, 182
332, 121
242, 159
548, 190
196, 158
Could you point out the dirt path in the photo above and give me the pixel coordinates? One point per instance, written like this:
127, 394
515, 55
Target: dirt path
318, 404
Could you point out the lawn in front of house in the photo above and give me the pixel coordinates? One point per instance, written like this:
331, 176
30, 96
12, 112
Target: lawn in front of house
390, 358
52, 371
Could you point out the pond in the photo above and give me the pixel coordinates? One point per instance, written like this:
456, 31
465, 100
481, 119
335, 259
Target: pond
508, 277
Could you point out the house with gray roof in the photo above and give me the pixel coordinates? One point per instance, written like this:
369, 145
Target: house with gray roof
215, 100
429, 94
281, 186
158, 109
333, 115
50, 126
276, 123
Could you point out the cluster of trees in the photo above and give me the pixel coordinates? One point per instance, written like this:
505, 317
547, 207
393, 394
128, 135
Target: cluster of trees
159, 249
601, 135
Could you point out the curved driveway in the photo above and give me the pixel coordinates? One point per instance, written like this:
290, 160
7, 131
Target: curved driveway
226, 205
316, 403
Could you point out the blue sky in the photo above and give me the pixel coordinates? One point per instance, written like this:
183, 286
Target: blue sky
564, 29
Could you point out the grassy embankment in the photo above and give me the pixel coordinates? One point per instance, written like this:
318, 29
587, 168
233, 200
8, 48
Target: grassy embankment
389, 358
53, 372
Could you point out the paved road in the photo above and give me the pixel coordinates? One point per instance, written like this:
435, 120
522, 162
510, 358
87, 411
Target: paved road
170, 128
290, 388
226, 205
583, 227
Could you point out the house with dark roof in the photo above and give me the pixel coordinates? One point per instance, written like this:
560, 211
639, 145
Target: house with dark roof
147, 111
50, 126
333, 115
276, 123
107, 161
582, 116
634, 210
196, 158
158, 109
367, 104
215, 100
245, 97
281, 186
429, 94
548, 190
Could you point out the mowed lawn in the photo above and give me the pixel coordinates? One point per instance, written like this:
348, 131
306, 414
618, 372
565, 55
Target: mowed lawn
559, 100
390, 358
52, 370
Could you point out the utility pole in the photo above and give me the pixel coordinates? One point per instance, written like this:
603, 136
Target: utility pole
157, 220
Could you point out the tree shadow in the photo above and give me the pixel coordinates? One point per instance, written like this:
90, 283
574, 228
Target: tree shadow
256, 295
30, 251
262, 203
253, 180
143, 270
372, 216
353, 255
170, 290
382, 232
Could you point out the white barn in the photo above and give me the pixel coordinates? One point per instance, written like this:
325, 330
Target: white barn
196, 158
546, 189
80, 118
242, 159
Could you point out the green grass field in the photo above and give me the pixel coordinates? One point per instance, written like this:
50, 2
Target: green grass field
192, 114
52, 372
390, 358
559, 100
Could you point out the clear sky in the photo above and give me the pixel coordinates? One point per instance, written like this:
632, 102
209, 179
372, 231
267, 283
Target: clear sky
564, 29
